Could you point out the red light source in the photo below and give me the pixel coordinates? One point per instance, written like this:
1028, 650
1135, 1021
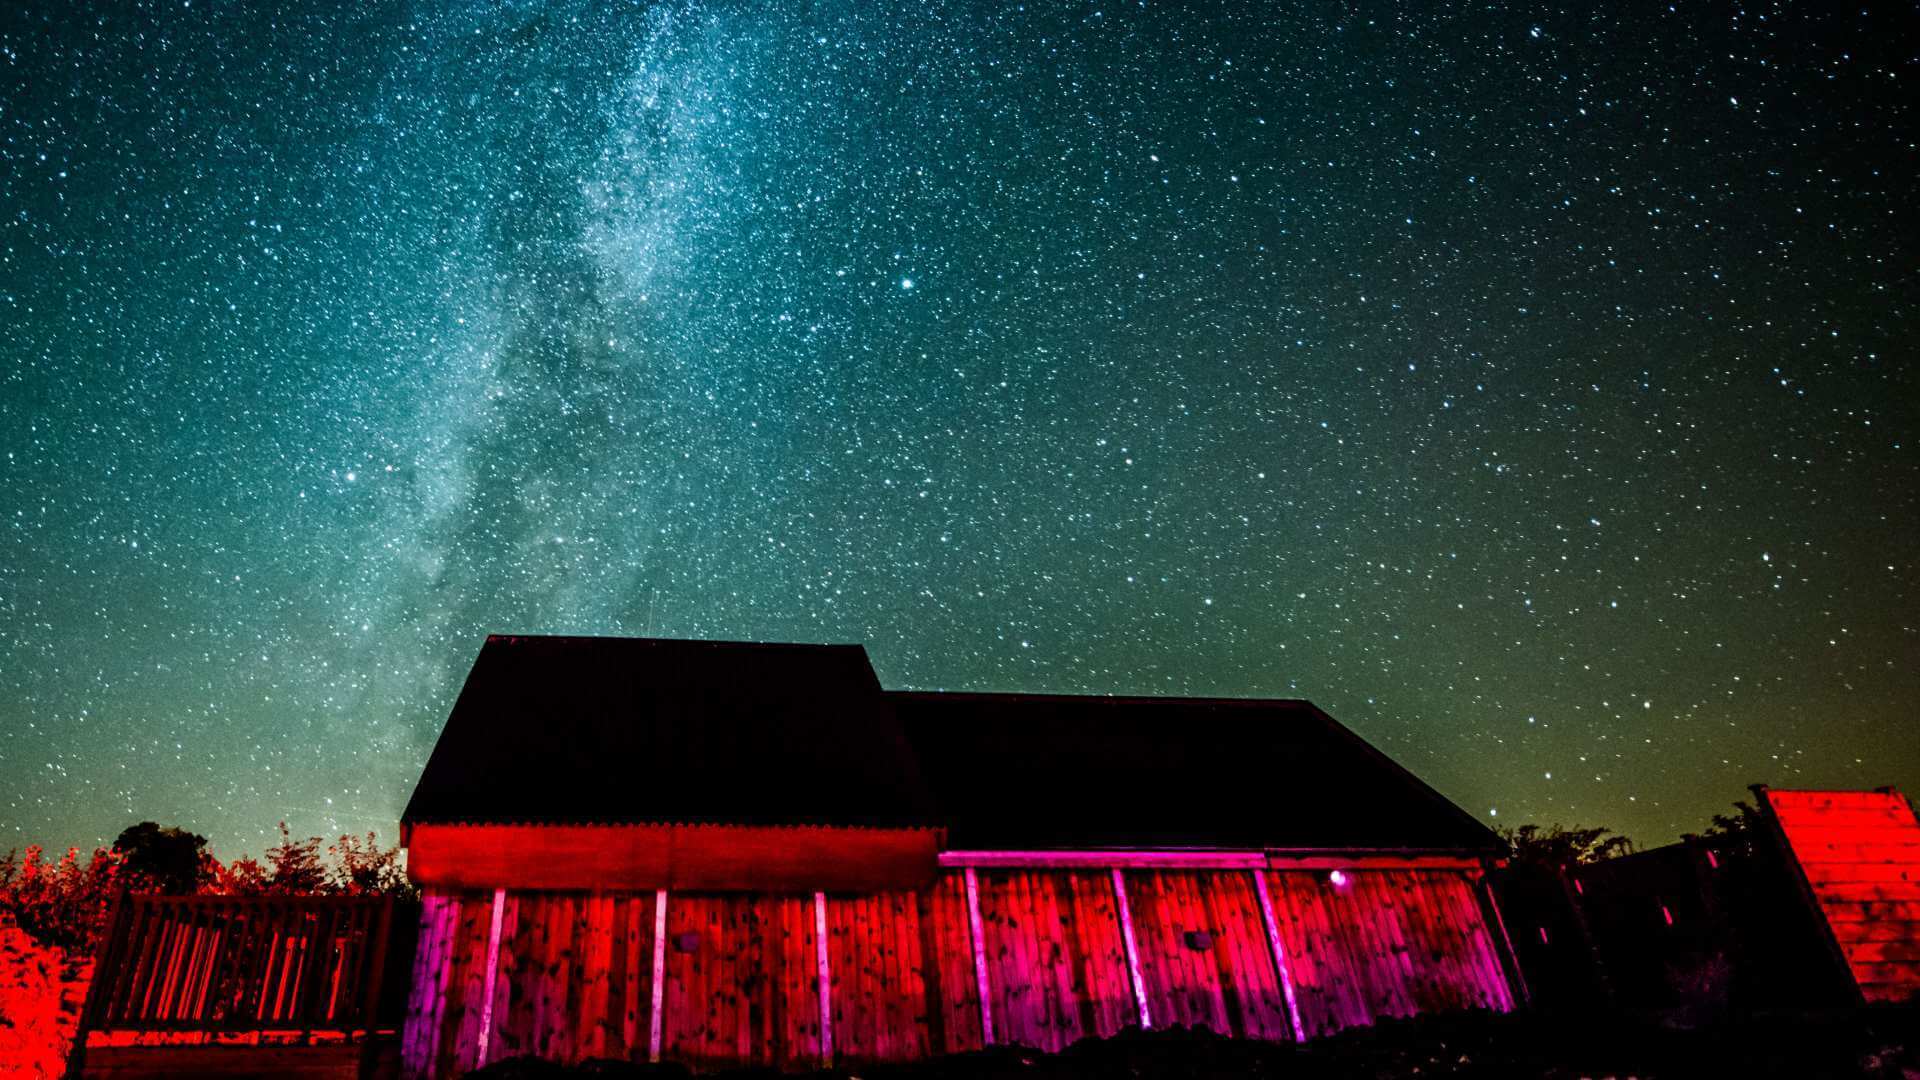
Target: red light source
1337, 878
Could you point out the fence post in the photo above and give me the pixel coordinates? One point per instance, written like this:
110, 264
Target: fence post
370, 1010
77, 1053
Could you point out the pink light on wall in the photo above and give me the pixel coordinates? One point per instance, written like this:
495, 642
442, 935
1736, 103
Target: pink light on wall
1337, 878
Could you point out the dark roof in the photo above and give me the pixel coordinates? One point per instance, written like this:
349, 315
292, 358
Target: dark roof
1033, 771
564, 729
581, 729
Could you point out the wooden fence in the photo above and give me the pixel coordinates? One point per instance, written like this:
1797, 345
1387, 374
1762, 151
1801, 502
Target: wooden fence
240, 964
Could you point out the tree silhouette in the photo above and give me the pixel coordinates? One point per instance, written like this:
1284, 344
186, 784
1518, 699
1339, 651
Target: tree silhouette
167, 859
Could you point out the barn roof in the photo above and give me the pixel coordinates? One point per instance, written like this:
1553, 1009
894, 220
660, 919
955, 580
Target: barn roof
584, 729
1037, 771
572, 730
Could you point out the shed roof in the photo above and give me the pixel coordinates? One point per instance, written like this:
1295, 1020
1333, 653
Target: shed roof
568, 729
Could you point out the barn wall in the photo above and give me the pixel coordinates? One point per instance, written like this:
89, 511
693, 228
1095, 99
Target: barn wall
1860, 853
951, 984
1056, 966
740, 973
1223, 976
573, 979
744, 989
1385, 943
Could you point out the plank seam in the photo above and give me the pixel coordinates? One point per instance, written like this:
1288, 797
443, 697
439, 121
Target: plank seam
656, 1028
493, 965
1279, 953
825, 975
1133, 950
977, 938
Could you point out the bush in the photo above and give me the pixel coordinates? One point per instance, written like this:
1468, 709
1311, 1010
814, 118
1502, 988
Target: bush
65, 903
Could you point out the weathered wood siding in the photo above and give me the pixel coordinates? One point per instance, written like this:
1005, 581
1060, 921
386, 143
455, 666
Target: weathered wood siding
741, 972
881, 1010
953, 993
1860, 851
1056, 967
573, 980
1385, 943
1223, 976
745, 990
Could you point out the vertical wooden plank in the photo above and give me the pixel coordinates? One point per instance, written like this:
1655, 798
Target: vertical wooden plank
490, 977
596, 960
446, 946
513, 1006
1100, 955
686, 1001
1393, 967
656, 1011
465, 954
1056, 974
824, 975
619, 905
419, 993
1516, 980
1179, 988
916, 1018
1483, 956
632, 911
1133, 950
253, 967
788, 1020
978, 946
420, 1032
1241, 958
1006, 918
528, 949
880, 992
542, 969
1327, 998
947, 944
800, 1008
114, 960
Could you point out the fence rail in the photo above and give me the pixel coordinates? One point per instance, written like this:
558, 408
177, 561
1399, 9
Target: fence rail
237, 964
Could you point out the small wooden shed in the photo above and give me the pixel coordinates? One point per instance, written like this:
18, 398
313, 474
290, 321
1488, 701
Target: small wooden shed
747, 854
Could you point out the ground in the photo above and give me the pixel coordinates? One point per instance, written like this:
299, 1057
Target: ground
41, 990
1880, 1043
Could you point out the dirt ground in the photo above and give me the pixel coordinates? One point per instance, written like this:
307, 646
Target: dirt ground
1876, 1043
41, 991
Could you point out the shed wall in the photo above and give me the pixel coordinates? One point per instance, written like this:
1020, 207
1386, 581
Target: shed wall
1860, 853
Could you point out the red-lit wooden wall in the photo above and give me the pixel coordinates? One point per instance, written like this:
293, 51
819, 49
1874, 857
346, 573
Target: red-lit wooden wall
740, 974
1860, 854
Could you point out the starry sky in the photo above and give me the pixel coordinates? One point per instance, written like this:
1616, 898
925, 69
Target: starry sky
1533, 387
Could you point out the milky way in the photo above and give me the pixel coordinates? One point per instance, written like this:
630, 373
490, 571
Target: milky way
1532, 389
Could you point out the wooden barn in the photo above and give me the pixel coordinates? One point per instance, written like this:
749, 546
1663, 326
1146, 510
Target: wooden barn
744, 854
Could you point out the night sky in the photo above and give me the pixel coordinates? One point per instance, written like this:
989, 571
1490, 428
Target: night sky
1533, 389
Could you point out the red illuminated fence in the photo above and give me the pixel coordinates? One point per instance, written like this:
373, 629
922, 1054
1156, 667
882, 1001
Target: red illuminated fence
242, 964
